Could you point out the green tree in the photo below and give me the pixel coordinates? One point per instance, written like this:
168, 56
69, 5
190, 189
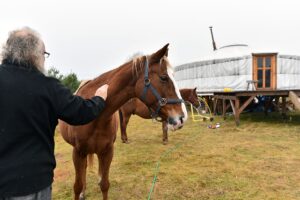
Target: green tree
71, 81
53, 72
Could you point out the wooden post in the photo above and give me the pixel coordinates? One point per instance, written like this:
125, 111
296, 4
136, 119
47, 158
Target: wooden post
232, 106
284, 107
246, 103
224, 109
276, 104
268, 105
237, 111
215, 106
208, 104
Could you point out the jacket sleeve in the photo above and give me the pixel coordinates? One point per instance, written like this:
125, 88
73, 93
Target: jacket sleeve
74, 109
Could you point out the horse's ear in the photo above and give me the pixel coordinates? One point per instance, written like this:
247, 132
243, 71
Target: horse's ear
155, 57
195, 89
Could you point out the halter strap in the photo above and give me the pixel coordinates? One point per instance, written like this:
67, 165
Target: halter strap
161, 101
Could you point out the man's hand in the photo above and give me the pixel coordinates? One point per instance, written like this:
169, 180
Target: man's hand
102, 91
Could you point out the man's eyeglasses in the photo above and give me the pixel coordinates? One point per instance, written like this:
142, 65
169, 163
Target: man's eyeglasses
46, 54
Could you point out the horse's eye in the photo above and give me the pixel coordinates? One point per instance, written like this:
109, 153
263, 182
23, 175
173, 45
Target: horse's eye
163, 78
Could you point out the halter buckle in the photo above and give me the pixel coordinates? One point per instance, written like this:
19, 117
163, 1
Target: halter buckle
162, 102
158, 119
147, 82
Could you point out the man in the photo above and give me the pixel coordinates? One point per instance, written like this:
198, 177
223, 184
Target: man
30, 106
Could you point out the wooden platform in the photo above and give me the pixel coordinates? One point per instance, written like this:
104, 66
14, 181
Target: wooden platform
233, 100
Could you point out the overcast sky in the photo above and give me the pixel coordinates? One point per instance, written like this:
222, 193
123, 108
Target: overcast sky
91, 37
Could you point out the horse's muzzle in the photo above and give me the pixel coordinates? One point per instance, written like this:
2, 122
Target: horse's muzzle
175, 123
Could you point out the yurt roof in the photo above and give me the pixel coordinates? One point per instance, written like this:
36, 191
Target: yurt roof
223, 54
230, 53
234, 51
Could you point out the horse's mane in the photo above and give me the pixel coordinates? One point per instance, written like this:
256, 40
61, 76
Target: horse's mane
137, 63
137, 67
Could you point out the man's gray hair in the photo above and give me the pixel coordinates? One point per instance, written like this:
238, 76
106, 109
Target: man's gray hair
24, 47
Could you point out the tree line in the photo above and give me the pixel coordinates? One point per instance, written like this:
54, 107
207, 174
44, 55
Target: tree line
70, 80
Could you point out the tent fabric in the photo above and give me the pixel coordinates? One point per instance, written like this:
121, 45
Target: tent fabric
288, 72
215, 75
234, 72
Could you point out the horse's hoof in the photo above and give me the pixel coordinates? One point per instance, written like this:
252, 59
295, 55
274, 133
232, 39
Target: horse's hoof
165, 142
81, 196
125, 141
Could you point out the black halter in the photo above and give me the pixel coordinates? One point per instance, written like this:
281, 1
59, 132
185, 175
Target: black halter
161, 101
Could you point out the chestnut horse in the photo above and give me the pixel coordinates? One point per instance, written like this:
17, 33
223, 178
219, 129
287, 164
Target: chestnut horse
137, 107
149, 78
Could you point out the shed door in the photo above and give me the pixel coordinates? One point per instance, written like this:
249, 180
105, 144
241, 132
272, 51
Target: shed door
264, 71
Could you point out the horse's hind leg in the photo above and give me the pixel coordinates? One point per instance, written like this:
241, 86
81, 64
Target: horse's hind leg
104, 165
165, 132
80, 164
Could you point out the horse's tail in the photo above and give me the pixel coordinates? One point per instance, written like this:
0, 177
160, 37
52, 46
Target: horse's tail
90, 161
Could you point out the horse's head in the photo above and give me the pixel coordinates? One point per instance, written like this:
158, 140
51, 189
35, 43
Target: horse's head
190, 95
157, 88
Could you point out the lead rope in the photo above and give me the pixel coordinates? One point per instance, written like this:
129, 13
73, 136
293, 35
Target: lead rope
164, 155
170, 150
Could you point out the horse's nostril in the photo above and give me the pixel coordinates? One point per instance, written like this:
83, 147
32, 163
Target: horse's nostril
172, 121
181, 119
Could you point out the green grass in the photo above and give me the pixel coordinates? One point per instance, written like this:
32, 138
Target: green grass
260, 159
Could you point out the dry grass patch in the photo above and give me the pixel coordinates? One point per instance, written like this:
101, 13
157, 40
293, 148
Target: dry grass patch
258, 160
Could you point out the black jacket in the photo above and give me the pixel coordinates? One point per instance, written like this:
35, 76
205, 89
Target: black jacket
30, 106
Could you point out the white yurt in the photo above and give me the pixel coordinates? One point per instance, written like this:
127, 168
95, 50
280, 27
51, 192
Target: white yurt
239, 68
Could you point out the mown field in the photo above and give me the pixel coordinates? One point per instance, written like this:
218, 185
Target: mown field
260, 159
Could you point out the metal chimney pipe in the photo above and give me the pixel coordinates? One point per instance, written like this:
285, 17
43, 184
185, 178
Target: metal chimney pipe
213, 40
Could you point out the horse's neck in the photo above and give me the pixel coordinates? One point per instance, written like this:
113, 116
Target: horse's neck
121, 89
185, 95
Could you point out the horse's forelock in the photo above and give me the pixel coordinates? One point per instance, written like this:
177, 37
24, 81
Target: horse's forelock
137, 64
168, 64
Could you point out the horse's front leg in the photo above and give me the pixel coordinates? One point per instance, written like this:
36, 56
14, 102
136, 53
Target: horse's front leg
80, 164
165, 132
105, 159
124, 119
